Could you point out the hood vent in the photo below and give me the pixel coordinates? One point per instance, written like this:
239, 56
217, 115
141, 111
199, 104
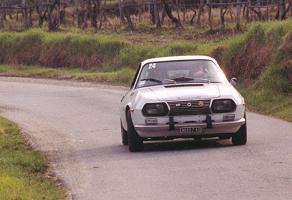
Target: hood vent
184, 85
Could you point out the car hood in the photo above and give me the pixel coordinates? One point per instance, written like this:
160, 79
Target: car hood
182, 92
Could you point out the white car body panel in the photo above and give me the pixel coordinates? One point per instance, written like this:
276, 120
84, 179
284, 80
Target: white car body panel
136, 98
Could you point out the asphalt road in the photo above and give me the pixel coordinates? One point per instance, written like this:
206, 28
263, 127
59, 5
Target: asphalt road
77, 125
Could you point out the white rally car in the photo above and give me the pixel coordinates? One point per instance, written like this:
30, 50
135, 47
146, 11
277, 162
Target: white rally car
181, 97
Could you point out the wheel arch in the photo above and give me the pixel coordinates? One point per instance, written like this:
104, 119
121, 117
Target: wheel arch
125, 124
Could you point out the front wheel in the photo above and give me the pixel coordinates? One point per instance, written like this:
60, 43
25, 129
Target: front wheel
240, 137
124, 135
135, 142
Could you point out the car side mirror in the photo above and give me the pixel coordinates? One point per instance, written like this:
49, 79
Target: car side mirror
233, 81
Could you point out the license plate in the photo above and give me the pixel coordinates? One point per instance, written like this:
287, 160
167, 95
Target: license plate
190, 130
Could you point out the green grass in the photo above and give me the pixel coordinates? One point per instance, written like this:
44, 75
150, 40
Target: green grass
122, 76
38, 47
268, 102
22, 169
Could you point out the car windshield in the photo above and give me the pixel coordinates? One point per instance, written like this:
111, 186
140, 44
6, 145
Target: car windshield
187, 71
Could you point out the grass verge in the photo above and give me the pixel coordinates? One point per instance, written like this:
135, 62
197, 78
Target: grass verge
119, 77
22, 169
268, 102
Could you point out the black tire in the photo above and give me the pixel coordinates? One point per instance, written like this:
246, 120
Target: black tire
240, 137
124, 136
135, 142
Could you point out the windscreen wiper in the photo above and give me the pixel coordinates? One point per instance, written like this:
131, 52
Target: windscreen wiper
182, 79
196, 80
169, 81
152, 80
204, 80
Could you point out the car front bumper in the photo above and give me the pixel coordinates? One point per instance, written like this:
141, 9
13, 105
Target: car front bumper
163, 130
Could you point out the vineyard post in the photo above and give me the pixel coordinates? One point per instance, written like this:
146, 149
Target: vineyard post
24, 7
282, 9
177, 9
221, 15
237, 18
58, 14
156, 14
1, 16
209, 3
121, 9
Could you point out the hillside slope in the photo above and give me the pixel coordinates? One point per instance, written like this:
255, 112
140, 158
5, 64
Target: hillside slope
261, 58
262, 61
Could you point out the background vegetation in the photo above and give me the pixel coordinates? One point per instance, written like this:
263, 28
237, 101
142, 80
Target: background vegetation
131, 14
260, 57
22, 169
263, 62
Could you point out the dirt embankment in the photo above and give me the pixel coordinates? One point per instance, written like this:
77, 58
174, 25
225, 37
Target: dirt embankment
287, 64
262, 58
251, 60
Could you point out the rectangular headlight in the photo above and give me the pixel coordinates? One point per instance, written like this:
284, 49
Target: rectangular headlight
155, 109
223, 106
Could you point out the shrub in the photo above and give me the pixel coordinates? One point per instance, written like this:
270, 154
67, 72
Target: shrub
36, 47
180, 48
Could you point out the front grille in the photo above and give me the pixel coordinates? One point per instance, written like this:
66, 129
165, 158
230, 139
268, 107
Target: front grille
195, 107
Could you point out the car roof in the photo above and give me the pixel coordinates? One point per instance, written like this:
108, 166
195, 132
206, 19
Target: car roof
177, 58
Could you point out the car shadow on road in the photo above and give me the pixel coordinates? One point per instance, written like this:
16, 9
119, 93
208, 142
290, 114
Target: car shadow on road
116, 151
178, 145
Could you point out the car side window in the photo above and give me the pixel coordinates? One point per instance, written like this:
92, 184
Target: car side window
135, 77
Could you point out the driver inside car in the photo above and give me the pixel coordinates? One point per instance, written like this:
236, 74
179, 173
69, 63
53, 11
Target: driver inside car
200, 71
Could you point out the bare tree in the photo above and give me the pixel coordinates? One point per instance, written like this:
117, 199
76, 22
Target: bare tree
223, 10
54, 15
201, 8
80, 13
168, 10
42, 12
96, 13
